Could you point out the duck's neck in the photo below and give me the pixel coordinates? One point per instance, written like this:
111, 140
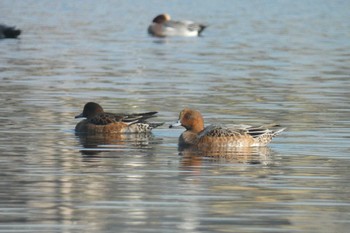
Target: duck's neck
198, 127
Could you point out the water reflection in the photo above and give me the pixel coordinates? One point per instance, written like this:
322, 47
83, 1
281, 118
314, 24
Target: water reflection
94, 144
192, 156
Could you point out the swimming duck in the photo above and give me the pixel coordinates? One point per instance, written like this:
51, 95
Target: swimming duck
8, 32
220, 136
163, 26
99, 122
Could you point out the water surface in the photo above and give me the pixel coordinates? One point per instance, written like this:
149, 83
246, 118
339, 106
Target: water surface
257, 63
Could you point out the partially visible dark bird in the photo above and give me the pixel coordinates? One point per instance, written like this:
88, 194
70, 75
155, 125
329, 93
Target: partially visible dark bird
9, 32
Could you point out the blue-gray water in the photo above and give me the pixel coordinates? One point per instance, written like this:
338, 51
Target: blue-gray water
257, 62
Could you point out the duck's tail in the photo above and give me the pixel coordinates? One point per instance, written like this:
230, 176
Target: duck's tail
145, 115
201, 28
276, 132
264, 134
155, 124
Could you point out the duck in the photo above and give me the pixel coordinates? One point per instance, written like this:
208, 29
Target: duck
8, 32
100, 122
163, 26
221, 136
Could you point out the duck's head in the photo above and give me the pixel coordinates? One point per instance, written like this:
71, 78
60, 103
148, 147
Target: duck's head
190, 119
161, 18
90, 109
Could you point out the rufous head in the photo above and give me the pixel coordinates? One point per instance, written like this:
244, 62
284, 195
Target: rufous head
190, 119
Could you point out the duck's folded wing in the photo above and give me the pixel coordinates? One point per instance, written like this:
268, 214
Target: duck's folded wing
223, 130
137, 117
109, 118
257, 131
235, 130
175, 24
183, 25
106, 118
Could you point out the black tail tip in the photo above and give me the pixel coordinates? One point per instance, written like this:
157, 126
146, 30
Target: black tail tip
201, 29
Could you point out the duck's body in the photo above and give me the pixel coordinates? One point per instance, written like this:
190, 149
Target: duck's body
220, 136
99, 122
163, 26
8, 32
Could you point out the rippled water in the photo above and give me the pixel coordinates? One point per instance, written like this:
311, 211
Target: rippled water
257, 62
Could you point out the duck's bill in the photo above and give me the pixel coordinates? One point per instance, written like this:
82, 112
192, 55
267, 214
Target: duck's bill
79, 116
178, 123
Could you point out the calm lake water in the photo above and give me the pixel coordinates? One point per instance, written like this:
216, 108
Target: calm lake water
258, 62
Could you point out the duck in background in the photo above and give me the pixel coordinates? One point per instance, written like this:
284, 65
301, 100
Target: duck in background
163, 26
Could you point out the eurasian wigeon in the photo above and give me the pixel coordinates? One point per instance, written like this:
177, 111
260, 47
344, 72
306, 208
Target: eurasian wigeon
163, 26
8, 32
99, 122
220, 136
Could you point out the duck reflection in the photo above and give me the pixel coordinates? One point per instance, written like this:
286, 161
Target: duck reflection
193, 156
94, 144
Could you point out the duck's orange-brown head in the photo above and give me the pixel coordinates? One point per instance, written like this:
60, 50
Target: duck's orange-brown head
161, 18
190, 119
91, 109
